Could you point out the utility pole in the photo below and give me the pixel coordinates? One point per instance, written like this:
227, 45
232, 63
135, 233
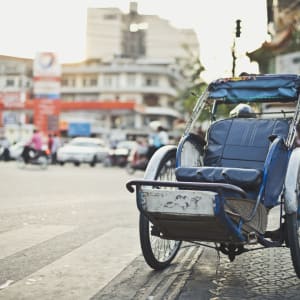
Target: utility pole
236, 35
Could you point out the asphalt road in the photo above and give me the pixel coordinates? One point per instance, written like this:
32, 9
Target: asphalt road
71, 233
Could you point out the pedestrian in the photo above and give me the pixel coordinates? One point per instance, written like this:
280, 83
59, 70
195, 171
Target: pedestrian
50, 142
55, 146
158, 139
163, 136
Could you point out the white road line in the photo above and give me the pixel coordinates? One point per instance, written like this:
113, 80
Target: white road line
17, 240
81, 273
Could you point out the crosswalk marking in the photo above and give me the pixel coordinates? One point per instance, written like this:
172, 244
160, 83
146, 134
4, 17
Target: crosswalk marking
81, 273
17, 240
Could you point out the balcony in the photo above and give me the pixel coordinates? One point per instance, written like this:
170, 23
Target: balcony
161, 90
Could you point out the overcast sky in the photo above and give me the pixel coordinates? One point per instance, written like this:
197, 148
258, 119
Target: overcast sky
28, 26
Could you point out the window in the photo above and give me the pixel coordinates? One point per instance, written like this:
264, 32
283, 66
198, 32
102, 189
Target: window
151, 100
93, 82
151, 80
10, 82
107, 80
131, 79
110, 17
64, 82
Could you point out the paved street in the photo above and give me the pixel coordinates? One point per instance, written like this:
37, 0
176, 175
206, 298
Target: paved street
71, 233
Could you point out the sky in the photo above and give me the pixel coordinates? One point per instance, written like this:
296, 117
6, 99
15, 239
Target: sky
30, 26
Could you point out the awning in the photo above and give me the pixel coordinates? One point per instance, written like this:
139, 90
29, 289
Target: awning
256, 88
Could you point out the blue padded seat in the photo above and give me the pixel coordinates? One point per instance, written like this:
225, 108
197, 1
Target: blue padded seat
236, 152
242, 143
245, 178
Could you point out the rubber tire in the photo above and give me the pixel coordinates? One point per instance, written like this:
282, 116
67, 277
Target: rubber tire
144, 230
130, 170
44, 163
76, 164
62, 163
20, 162
292, 230
93, 162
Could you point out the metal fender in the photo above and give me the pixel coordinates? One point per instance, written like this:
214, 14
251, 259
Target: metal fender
290, 195
155, 160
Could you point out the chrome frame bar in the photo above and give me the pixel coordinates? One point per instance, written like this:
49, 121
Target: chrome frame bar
292, 131
201, 102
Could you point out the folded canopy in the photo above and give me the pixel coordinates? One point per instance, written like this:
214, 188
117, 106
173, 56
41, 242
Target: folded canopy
256, 88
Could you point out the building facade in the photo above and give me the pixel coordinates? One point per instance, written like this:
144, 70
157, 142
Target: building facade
112, 33
282, 53
132, 76
151, 86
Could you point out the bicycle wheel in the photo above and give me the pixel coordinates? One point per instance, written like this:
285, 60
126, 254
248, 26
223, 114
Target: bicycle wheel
43, 162
293, 233
159, 252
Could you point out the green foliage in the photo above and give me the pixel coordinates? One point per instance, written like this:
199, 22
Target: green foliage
192, 69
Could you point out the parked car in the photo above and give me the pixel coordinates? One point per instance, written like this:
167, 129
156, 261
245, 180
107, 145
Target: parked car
83, 150
118, 156
15, 150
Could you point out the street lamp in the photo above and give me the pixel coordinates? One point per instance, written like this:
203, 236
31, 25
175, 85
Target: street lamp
233, 50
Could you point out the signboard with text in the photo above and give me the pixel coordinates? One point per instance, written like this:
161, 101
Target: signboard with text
46, 76
79, 129
46, 114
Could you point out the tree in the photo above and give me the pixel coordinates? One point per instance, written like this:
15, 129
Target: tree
195, 85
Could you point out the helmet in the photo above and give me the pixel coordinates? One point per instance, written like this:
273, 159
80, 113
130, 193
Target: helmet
242, 111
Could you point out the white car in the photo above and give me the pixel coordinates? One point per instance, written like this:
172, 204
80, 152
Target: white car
16, 150
83, 150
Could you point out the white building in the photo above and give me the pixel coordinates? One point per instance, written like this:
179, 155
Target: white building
111, 33
151, 85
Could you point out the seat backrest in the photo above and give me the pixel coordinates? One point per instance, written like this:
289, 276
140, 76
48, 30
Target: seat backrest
242, 142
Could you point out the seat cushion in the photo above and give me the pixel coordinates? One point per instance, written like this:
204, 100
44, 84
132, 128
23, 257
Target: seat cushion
245, 178
242, 143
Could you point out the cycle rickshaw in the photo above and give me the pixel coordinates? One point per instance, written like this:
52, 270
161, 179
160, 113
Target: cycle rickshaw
223, 192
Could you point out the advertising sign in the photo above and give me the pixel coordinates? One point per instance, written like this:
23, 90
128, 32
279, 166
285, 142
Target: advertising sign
79, 129
13, 99
46, 76
46, 114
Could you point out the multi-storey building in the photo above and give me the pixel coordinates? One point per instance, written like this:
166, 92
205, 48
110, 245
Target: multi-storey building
151, 86
111, 33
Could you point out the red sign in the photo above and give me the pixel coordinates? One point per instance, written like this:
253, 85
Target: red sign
13, 100
46, 115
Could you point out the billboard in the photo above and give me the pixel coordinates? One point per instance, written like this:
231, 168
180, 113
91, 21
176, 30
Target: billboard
79, 129
46, 76
46, 115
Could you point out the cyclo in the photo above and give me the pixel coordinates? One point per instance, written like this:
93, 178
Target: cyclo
224, 192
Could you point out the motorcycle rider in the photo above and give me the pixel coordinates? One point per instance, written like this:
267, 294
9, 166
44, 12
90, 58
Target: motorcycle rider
35, 145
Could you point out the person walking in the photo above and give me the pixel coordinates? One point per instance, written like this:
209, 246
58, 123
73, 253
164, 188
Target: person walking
163, 136
50, 143
55, 146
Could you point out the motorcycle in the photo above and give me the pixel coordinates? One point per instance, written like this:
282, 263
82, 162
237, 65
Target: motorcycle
136, 162
30, 156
